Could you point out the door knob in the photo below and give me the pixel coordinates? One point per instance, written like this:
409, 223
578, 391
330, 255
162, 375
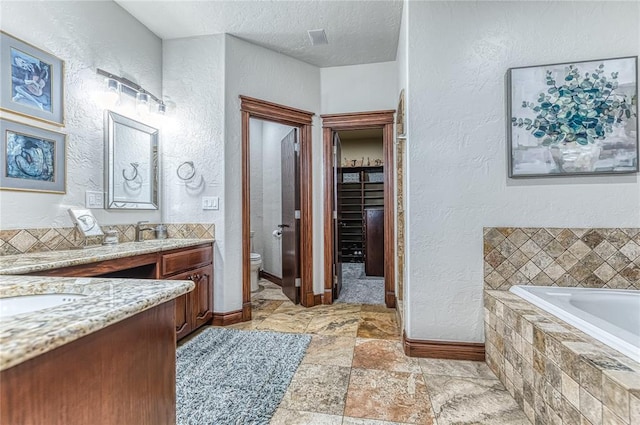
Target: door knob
282, 226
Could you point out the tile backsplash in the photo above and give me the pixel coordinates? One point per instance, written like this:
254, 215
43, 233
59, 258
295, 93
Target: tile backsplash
21, 241
584, 257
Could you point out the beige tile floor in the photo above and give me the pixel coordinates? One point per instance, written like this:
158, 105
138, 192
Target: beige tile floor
355, 372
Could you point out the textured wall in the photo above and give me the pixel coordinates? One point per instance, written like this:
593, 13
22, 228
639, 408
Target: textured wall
257, 72
272, 136
359, 88
266, 191
357, 149
402, 62
86, 35
459, 54
193, 76
256, 186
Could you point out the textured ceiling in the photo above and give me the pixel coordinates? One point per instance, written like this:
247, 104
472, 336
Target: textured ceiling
364, 31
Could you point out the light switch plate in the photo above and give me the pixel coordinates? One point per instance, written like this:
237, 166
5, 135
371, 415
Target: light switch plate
210, 203
93, 199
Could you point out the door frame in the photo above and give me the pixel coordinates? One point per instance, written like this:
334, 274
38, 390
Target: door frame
303, 120
359, 121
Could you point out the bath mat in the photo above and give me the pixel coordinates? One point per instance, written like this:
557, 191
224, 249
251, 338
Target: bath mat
232, 377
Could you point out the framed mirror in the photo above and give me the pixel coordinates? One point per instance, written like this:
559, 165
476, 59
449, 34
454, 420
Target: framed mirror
131, 169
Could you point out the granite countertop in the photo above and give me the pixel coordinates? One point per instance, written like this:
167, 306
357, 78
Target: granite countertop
32, 263
28, 335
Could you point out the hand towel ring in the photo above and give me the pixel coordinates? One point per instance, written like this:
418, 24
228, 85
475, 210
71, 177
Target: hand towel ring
135, 166
186, 170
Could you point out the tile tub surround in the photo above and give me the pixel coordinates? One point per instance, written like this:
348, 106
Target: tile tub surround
592, 258
21, 241
557, 374
107, 301
32, 263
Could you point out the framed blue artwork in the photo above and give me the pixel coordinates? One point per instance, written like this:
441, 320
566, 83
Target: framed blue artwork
32, 159
578, 118
31, 81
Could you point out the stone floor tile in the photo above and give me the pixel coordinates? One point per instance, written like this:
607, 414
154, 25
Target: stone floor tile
317, 388
460, 368
377, 308
330, 350
335, 324
378, 325
383, 354
459, 401
284, 323
265, 305
388, 396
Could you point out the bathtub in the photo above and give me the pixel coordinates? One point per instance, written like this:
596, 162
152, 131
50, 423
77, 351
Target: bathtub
611, 316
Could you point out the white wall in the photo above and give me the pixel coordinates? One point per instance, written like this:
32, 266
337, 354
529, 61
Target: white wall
359, 88
266, 190
194, 78
459, 53
272, 135
256, 186
86, 35
260, 73
357, 149
402, 63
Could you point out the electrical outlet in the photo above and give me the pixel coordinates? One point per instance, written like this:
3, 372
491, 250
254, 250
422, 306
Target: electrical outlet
93, 199
210, 202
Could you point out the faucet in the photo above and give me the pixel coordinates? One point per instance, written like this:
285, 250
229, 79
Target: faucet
139, 230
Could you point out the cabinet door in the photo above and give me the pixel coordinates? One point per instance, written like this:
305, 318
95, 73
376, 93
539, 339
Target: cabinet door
184, 311
183, 316
202, 296
374, 242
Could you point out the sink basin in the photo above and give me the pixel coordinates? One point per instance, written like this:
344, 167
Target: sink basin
11, 306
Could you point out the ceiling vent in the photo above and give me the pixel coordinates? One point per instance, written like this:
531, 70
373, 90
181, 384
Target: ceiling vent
318, 37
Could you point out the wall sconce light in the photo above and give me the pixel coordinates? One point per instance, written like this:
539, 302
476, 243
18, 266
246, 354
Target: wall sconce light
112, 91
142, 102
145, 101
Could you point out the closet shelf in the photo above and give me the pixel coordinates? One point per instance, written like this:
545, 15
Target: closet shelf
354, 200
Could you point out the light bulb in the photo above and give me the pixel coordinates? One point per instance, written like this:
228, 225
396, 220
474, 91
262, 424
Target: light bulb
142, 103
111, 96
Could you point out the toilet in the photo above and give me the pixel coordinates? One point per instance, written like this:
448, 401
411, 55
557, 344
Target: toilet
256, 265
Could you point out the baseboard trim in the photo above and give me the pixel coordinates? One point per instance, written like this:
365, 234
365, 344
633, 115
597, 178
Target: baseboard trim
226, 319
271, 278
327, 297
451, 350
317, 299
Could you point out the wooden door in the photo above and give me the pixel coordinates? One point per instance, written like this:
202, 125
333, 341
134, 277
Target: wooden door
374, 242
202, 298
337, 216
290, 224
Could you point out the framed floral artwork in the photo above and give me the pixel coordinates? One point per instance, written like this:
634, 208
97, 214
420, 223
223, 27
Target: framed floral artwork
31, 81
32, 159
578, 118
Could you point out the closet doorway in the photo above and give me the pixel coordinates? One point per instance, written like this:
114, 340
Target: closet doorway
359, 208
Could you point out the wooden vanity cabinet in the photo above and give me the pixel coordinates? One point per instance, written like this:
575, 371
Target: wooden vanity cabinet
194, 309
